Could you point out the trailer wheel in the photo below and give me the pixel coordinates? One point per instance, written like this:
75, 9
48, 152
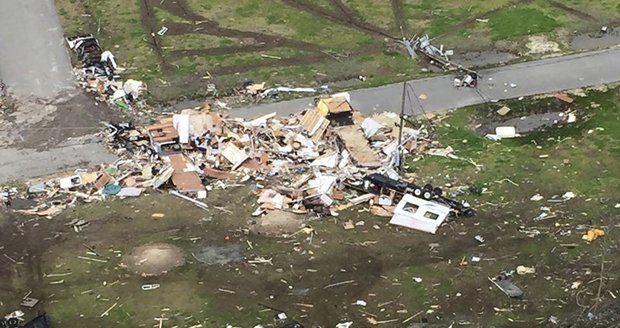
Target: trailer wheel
417, 192
437, 191
428, 187
427, 195
470, 212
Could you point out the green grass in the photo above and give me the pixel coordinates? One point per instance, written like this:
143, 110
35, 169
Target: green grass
383, 270
119, 28
520, 21
568, 167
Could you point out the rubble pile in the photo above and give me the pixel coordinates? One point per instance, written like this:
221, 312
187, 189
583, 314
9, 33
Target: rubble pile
98, 74
320, 161
299, 163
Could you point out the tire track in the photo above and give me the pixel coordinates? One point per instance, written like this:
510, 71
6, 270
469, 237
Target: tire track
291, 61
149, 24
572, 11
210, 28
399, 17
348, 21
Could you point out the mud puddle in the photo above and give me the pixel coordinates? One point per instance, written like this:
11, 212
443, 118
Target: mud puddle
218, 255
483, 58
528, 123
596, 40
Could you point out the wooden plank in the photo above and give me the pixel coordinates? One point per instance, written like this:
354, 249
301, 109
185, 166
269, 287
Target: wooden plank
357, 145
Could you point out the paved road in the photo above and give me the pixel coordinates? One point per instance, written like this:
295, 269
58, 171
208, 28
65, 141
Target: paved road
438, 94
26, 163
33, 59
35, 65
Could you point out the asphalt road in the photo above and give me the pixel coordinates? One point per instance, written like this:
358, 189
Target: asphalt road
33, 59
438, 94
36, 67
27, 163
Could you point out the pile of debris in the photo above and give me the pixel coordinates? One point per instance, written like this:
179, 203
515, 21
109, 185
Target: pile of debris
321, 161
260, 90
98, 74
6, 102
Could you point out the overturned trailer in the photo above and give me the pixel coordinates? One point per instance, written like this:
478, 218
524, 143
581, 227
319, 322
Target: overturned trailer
378, 183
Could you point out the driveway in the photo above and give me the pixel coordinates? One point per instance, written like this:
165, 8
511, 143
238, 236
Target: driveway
33, 59
35, 65
438, 94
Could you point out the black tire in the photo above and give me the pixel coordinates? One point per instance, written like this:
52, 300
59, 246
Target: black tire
470, 212
428, 187
417, 192
437, 191
427, 195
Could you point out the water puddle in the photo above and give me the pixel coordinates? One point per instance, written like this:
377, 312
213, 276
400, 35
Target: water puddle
483, 58
218, 255
528, 123
22, 204
588, 41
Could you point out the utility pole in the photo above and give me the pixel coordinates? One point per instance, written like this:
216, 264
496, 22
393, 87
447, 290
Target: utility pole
400, 129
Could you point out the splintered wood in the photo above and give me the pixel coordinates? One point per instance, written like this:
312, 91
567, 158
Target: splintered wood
357, 145
315, 124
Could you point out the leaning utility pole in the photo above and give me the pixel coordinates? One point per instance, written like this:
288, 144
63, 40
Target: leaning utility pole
400, 129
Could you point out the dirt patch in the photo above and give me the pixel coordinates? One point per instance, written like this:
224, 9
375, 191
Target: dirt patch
483, 58
276, 223
399, 17
219, 255
539, 44
597, 40
38, 124
153, 260
578, 13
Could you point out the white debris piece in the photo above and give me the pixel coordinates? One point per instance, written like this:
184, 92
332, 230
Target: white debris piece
506, 131
361, 303
568, 195
521, 270
537, 197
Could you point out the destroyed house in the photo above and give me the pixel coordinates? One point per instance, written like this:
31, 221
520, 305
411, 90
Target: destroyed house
336, 109
164, 138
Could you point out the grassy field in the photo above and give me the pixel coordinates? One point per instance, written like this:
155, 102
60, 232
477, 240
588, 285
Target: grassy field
382, 260
307, 43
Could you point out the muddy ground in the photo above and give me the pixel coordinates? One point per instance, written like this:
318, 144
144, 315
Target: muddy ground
317, 278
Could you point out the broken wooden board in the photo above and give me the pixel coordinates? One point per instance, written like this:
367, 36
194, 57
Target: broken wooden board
184, 177
333, 105
315, 124
217, 174
564, 97
187, 182
234, 155
357, 145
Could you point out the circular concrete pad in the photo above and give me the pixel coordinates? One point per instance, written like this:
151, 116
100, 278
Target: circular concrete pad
276, 223
153, 260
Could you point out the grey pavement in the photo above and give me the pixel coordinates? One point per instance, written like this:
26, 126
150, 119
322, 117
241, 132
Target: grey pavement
438, 94
33, 58
36, 67
30, 163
